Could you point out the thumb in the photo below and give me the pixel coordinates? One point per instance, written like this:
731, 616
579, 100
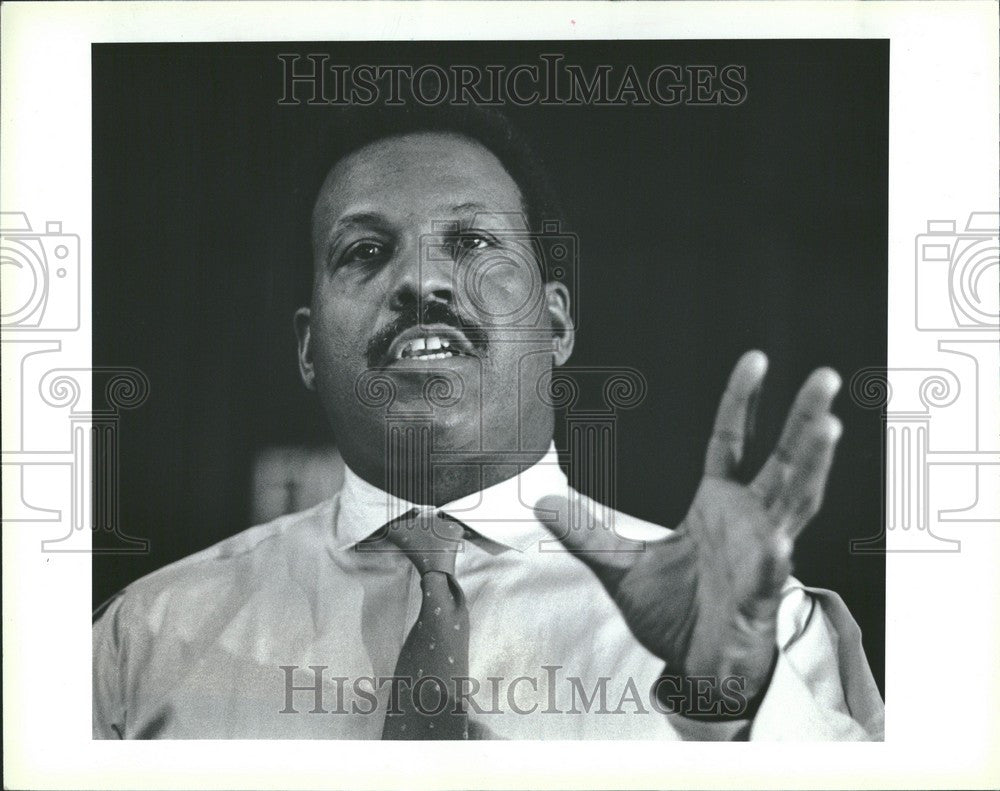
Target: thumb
579, 531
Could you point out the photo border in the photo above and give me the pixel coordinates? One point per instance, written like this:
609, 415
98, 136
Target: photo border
943, 692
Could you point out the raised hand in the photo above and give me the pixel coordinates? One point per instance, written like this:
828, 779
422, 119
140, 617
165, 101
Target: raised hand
706, 598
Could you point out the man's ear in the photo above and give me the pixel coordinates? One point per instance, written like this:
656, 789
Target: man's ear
557, 303
302, 332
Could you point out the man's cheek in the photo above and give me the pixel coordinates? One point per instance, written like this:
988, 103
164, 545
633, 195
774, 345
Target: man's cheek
504, 293
337, 355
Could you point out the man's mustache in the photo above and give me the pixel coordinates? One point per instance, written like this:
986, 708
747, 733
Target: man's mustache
433, 312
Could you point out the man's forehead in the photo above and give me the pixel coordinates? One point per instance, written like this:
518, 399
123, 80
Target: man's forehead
425, 174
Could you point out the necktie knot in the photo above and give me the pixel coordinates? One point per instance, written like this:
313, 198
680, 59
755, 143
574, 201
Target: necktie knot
429, 539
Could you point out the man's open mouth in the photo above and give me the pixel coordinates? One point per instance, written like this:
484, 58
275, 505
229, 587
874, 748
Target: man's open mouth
435, 342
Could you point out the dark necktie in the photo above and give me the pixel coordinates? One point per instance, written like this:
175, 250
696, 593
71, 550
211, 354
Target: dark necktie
436, 652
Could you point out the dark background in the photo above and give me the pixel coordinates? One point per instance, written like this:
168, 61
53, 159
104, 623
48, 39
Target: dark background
704, 231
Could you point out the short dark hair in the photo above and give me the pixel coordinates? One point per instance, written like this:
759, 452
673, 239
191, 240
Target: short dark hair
343, 131
355, 128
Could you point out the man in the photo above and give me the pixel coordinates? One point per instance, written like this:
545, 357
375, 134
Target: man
456, 587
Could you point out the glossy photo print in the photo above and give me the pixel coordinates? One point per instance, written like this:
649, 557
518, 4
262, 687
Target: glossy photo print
492, 390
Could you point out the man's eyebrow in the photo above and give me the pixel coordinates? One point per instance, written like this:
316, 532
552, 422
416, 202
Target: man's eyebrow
361, 218
470, 206
342, 223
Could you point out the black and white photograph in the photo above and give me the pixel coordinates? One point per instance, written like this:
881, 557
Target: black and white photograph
525, 362
500, 395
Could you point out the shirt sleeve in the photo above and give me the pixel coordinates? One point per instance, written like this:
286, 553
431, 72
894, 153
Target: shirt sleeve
108, 705
821, 689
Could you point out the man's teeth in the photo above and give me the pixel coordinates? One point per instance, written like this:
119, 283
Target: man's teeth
431, 348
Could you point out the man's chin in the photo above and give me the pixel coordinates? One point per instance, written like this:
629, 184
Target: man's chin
417, 386
447, 392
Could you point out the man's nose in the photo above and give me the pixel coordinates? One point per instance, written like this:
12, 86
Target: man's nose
424, 272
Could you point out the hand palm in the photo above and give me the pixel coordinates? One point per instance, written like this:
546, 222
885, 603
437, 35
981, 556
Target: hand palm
705, 599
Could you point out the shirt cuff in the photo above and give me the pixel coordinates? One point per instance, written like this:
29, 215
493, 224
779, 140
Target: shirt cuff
821, 688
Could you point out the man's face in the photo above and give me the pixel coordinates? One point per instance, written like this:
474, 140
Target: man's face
423, 270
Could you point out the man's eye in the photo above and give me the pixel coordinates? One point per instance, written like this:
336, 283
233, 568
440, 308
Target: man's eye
365, 252
473, 241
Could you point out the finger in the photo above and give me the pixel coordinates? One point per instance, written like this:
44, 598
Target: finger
802, 495
725, 448
608, 555
812, 402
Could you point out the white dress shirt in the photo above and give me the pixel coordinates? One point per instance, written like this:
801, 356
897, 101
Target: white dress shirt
284, 630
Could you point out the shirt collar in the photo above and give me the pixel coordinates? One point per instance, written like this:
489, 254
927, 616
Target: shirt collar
503, 513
